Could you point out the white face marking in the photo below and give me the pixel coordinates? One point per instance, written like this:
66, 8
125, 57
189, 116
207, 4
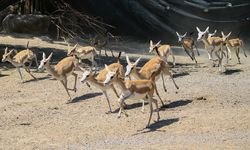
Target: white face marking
85, 76
109, 76
128, 70
42, 62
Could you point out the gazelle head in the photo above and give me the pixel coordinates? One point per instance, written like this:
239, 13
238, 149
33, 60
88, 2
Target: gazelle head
71, 51
85, 76
131, 66
180, 37
110, 75
201, 34
6, 55
211, 34
225, 37
152, 46
44, 61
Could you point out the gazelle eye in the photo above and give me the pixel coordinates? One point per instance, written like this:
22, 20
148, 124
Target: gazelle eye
112, 77
87, 76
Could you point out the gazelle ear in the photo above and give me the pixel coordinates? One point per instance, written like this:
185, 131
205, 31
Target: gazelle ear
177, 34
48, 59
127, 59
11, 51
44, 56
198, 29
27, 46
222, 33
207, 29
6, 50
157, 43
151, 42
137, 61
215, 31
184, 34
107, 68
228, 34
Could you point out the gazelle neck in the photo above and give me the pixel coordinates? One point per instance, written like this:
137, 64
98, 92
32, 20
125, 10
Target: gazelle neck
14, 63
51, 70
120, 83
135, 73
95, 82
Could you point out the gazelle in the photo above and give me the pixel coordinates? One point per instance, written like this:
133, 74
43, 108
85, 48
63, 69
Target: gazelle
155, 66
215, 45
163, 50
235, 44
20, 59
211, 38
62, 70
100, 78
188, 44
83, 52
100, 42
135, 90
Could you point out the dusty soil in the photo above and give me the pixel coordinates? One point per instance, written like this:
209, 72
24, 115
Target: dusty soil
210, 110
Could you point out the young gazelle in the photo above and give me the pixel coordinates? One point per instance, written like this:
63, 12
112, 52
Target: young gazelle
215, 45
235, 44
211, 38
135, 90
19, 60
62, 70
163, 50
188, 44
155, 66
83, 52
100, 42
99, 79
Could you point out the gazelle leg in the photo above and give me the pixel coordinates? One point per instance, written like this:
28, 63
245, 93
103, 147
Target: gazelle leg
237, 54
19, 71
244, 52
157, 93
151, 111
28, 70
171, 76
163, 82
197, 49
106, 96
157, 108
113, 88
65, 87
229, 52
188, 54
112, 53
192, 51
75, 75
106, 52
121, 100
143, 104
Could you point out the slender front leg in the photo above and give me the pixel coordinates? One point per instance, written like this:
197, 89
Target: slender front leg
65, 87
75, 75
19, 71
237, 54
171, 76
197, 50
106, 96
157, 93
151, 111
194, 56
113, 88
229, 52
143, 104
112, 53
163, 82
157, 108
173, 57
28, 70
188, 53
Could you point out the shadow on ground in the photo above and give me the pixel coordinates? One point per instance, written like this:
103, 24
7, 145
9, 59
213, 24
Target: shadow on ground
232, 71
85, 97
176, 104
157, 125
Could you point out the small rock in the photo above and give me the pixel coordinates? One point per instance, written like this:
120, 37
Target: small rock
201, 98
25, 124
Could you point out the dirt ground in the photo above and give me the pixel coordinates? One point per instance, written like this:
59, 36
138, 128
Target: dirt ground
209, 111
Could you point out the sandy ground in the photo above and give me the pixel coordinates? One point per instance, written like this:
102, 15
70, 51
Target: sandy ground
209, 111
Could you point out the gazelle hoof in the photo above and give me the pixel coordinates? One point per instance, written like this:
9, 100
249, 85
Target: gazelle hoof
108, 112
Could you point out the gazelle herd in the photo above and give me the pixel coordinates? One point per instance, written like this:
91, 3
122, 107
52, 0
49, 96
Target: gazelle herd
133, 83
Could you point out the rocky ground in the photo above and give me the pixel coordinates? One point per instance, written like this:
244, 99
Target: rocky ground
209, 111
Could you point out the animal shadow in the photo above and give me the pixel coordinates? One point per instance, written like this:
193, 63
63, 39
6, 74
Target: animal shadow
176, 104
3, 75
85, 97
232, 71
157, 125
180, 74
131, 106
37, 79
